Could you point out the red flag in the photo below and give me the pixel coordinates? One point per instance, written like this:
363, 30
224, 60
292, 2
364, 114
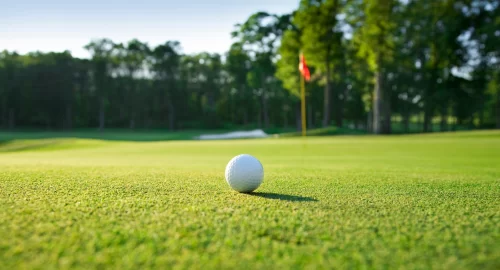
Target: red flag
304, 70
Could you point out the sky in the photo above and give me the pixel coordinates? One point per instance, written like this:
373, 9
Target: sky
58, 25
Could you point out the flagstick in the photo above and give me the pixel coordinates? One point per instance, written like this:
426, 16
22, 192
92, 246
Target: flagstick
303, 104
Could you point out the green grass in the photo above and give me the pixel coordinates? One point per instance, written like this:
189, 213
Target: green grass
158, 135
328, 131
399, 128
398, 202
109, 135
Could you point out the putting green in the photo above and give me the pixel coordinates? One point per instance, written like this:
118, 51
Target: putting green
412, 202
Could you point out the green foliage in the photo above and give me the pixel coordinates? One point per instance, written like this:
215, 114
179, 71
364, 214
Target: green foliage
258, 37
436, 59
426, 202
329, 131
320, 40
287, 66
375, 35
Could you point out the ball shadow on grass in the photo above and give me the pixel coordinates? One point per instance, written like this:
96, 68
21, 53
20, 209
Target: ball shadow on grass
283, 197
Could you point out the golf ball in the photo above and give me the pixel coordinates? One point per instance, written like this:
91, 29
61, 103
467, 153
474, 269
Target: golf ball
244, 173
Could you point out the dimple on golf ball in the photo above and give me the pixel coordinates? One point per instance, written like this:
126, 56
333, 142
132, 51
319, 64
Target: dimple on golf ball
244, 173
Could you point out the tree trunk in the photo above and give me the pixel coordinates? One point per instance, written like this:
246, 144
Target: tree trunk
231, 116
326, 104
386, 126
339, 102
427, 117
123, 116
211, 101
4, 114
498, 108
171, 115
444, 118
369, 122
428, 106
165, 122
245, 118
101, 114
471, 121
259, 117
285, 118
481, 113
420, 121
378, 102
341, 99
338, 110
211, 112
69, 117
298, 117
265, 111
429, 102
12, 119
132, 121
309, 116
453, 124
406, 121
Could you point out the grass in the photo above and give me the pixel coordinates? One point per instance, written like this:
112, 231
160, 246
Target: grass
146, 135
328, 131
414, 127
159, 135
405, 202
108, 135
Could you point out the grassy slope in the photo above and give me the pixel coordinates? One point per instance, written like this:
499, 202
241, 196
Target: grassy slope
419, 202
111, 135
156, 135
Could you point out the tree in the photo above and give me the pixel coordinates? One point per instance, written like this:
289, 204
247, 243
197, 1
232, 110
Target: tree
376, 45
259, 35
202, 74
101, 51
321, 43
166, 69
11, 69
133, 62
484, 19
372, 62
237, 66
287, 67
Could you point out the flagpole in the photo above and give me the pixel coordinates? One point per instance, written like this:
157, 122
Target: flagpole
303, 104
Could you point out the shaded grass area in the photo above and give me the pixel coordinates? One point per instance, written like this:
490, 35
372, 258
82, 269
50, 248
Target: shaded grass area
283, 197
110, 135
47, 144
412, 202
118, 135
399, 128
167, 135
153, 135
328, 131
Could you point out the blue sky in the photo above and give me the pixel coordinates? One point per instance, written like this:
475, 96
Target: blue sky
58, 25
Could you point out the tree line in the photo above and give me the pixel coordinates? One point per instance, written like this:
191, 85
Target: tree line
378, 65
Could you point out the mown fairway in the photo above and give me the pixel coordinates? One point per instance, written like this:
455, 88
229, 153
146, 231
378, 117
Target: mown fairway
407, 202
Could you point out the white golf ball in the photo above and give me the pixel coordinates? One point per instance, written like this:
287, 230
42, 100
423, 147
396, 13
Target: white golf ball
244, 173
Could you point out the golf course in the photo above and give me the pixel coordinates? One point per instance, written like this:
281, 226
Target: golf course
358, 202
